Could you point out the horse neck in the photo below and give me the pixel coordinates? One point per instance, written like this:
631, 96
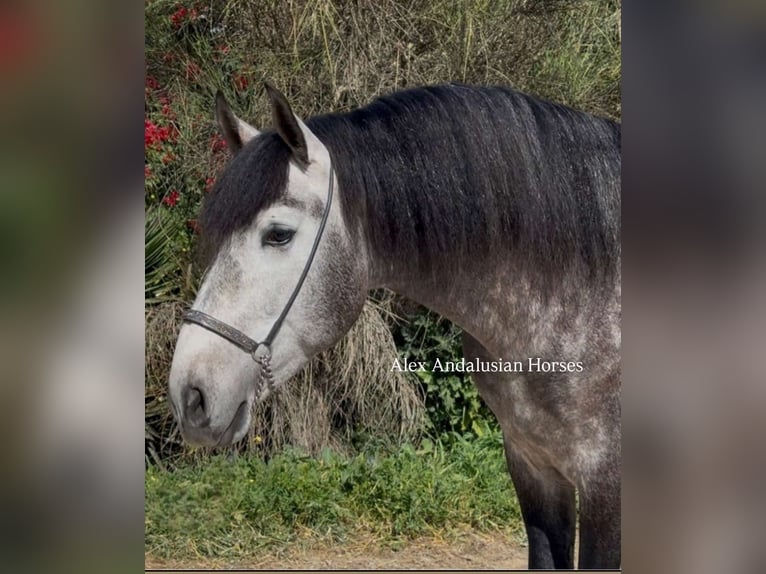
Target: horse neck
481, 299
473, 303
443, 237
497, 304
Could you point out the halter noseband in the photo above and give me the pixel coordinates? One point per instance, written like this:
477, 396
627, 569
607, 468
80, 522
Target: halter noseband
261, 352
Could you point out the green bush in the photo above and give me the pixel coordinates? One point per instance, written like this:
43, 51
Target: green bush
452, 403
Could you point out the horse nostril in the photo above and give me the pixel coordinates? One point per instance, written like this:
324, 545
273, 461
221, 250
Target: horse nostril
194, 407
195, 400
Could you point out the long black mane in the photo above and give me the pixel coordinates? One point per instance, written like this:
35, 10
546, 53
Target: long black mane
439, 174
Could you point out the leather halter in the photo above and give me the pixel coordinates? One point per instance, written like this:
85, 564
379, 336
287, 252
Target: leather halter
261, 351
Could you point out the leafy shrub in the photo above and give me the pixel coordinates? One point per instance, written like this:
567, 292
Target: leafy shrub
452, 402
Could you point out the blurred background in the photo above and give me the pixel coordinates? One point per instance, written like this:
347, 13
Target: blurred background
73, 206
694, 322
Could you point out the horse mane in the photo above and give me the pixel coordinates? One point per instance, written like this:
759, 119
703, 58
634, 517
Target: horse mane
440, 175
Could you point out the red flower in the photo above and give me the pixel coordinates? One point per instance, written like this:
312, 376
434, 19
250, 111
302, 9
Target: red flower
171, 199
241, 82
151, 133
178, 17
181, 14
152, 83
217, 143
147, 172
223, 49
209, 182
155, 136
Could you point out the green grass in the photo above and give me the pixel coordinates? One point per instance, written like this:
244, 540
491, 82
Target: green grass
231, 509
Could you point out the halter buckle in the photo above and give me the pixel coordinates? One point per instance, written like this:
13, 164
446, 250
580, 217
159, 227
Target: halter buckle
261, 354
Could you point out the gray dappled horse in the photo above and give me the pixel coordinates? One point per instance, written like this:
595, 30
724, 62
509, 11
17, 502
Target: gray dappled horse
495, 209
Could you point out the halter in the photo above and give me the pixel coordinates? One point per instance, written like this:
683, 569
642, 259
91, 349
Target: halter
261, 352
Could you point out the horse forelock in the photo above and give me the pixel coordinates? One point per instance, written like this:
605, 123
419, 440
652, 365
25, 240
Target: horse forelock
254, 179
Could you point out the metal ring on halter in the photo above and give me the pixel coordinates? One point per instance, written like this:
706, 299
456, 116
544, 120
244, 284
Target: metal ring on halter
261, 352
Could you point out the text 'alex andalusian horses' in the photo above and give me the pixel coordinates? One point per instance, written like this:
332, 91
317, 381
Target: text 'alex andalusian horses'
495, 209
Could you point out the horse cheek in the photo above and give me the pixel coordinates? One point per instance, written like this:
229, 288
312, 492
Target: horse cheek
342, 290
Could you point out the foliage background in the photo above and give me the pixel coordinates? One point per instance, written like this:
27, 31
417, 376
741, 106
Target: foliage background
334, 55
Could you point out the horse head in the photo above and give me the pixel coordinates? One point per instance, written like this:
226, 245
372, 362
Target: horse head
285, 282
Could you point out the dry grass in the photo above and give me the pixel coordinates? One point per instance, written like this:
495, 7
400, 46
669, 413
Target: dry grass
327, 55
346, 390
464, 549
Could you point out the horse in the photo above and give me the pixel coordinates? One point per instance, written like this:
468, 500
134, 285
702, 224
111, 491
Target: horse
491, 207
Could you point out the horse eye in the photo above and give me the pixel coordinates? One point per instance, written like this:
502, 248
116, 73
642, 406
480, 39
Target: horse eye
277, 236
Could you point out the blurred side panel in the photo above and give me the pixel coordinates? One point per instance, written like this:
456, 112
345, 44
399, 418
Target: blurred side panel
71, 329
694, 175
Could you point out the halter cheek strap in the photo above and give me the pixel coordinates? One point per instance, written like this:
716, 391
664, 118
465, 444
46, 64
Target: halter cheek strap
261, 351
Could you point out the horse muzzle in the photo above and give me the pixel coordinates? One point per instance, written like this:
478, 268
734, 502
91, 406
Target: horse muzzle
199, 426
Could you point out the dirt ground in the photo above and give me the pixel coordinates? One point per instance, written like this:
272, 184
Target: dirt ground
469, 551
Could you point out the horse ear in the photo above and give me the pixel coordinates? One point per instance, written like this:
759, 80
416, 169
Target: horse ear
303, 143
236, 132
